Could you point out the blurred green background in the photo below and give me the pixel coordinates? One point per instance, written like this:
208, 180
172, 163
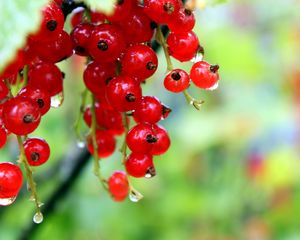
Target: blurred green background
232, 171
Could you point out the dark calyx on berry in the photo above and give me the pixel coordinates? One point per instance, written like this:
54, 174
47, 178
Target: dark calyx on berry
151, 139
40, 102
120, 2
214, 68
187, 12
176, 76
102, 45
28, 118
169, 8
151, 172
151, 66
51, 25
166, 111
130, 97
80, 49
153, 25
200, 50
108, 80
35, 156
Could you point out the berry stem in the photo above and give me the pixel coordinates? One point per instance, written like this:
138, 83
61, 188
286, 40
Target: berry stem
162, 41
32, 184
190, 100
77, 125
97, 171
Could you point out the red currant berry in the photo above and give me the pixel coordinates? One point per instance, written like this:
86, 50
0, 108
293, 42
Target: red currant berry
177, 81
163, 140
54, 51
52, 23
41, 98
121, 10
204, 75
106, 43
138, 27
46, 76
183, 47
141, 138
80, 36
106, 143
162, 11
97, 75
139, 165
139, 61
11, 179
118, 185
21, 115
37, 151
3, 90
3, 136
149, 109
183, 22
123, 93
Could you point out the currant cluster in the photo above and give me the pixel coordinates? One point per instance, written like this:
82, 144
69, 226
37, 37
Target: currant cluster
119, 60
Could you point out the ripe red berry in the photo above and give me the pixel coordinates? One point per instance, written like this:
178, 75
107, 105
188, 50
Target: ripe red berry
11, 179
204, 75
46, 76
40, 96
141, 138
184, 46
177, 81
149, 109
118, 185
97, 75
162, 11
139, 165
139, 28
106, 143
3, 90
80, 37
52, 23
121, 10
37, 151
21, 115
163, 140
106, 43
139, 61
183, 22
3, 136
56, 50
123, 93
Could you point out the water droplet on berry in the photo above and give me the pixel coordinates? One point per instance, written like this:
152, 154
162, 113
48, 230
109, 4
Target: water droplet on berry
7, 201
38, 218
198, 57
135, 196
57, 100
214, 87
80, 144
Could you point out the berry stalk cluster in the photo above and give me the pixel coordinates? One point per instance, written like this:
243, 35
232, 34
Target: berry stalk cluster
119, 60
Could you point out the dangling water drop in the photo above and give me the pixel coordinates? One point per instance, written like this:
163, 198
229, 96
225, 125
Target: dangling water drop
7, 201
80, 144
135, 196
38, 218
214, 87
57, 100
150, 172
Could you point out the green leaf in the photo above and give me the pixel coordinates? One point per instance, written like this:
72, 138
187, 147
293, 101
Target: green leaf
18, 18
105, 6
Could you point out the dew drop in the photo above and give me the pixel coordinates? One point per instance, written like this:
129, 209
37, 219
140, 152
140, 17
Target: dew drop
80, 144
135, 196
198, 57
214, 87
38, 218
57, 100
7, 201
